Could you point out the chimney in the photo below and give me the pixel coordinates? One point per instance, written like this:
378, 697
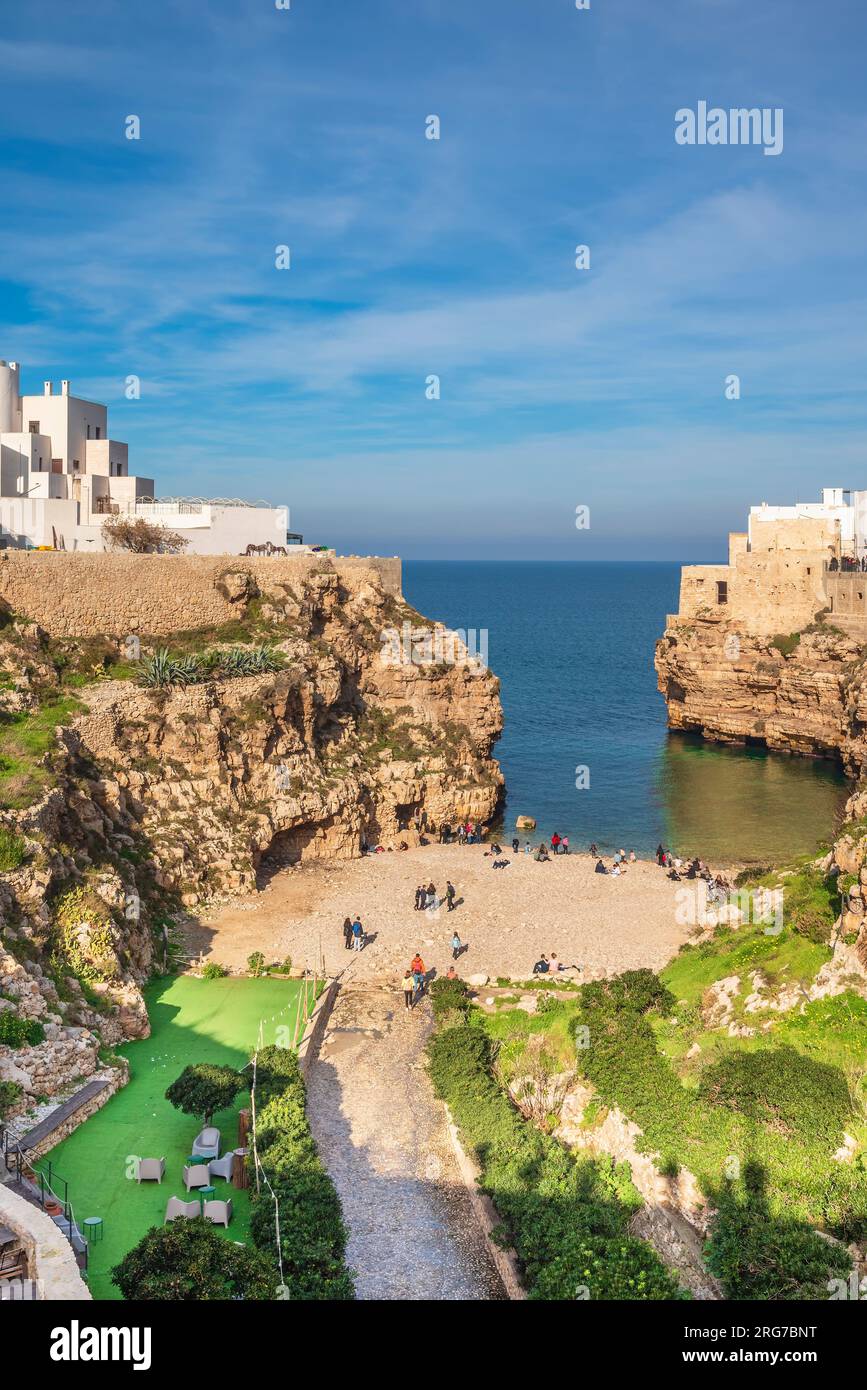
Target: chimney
64, 388
47, 387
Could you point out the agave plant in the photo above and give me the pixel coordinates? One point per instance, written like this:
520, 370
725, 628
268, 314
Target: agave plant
157, 670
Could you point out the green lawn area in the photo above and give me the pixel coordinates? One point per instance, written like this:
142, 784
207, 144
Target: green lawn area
192, 1020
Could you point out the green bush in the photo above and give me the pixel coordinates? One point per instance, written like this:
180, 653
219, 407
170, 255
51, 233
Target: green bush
12, 850
313, 1236
205, 1088
10, 1092
447, 995
20, 1032
214, 971
256, 963
566, 1215
187, 1261
774, 1111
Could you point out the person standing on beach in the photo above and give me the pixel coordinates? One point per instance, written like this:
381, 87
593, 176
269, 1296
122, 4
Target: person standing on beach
450, 895
418, 902
564, 845
357, 935
418, 974
457, 946
408, 987
347, 933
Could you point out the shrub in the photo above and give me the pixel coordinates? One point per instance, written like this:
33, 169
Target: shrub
141, 536
214, 971
313, 1236
187, 1260
775, 1111
256, 963
10, 1092
205, 1088
12, 849
566, 1215
449, 995
20, 1032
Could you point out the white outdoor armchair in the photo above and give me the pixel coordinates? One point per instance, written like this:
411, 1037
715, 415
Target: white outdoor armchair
196, 1175
151, 1170
207, 1144
220, 1213
176, 1207
222, 1167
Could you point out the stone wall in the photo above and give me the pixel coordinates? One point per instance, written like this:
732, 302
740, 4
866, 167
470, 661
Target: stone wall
50, 1258
79, 595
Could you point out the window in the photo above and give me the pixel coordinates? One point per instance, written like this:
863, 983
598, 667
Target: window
98, 432
76, 466
34, 426
722, 591
809, 571
88, 431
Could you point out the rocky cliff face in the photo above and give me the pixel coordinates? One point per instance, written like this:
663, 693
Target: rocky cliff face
155, 799
807, 694
804, 694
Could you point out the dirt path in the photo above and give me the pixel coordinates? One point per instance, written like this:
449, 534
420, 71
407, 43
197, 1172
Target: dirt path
382, 1134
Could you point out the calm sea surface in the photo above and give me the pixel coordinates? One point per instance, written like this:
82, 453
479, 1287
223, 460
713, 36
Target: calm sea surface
573, 647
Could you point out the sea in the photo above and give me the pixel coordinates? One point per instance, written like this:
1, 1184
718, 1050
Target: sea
585, 749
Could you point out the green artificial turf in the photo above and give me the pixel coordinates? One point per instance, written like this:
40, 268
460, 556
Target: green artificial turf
191, 1020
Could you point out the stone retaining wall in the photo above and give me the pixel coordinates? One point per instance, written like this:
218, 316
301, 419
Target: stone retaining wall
72, 594
50, 1258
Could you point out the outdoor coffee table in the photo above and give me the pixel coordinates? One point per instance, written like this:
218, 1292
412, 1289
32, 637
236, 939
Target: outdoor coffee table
93, 1229
193, 1160
204, 1194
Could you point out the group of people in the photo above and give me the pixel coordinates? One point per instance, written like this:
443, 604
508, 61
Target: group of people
848, 563
426, 897
618, 863
551, 965
414, 980
719, 887
354, 936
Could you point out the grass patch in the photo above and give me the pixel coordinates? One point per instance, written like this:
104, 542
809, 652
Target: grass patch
25, 739
12, 850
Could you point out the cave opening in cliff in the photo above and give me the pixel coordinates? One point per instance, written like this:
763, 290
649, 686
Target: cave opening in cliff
312, 840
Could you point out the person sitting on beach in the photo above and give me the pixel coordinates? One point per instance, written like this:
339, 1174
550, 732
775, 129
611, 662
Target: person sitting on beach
555, 965
632, 856
451, 973
541, 967
616, 870
600, 867
541, 855
500, 863
526, 846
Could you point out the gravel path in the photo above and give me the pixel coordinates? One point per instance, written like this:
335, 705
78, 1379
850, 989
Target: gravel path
382, 1134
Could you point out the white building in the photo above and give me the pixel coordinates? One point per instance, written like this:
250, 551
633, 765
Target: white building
835, 505
61, 475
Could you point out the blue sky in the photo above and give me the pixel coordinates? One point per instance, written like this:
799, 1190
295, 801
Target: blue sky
455, 257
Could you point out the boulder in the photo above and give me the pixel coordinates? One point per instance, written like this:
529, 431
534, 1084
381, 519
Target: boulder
525, 823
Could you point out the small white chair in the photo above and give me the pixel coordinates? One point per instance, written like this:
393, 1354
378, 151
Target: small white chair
151, 1170
196, 1175
207, 1144
222, 1167
176, 1207
220, 1213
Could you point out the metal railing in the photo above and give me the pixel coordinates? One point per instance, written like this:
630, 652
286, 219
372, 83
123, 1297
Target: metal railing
44, 1188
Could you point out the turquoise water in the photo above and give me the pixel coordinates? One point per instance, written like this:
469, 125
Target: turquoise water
573, 645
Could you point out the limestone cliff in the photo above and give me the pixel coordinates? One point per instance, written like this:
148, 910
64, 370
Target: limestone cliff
148, 800
805, 693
